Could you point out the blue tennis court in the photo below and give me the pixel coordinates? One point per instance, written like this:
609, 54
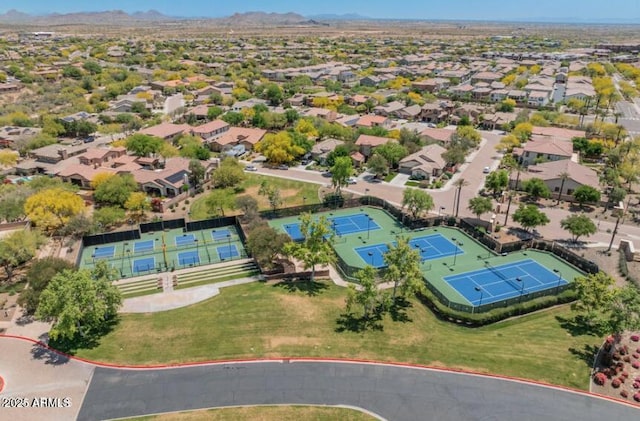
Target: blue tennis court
104, 252
341, 225
186, 240
143, 246
188, 258
430, 247
218, 235
497, 283
144, 264
228, 252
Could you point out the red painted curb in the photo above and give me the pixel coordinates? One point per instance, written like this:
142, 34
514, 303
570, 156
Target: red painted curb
1, 384
321, 359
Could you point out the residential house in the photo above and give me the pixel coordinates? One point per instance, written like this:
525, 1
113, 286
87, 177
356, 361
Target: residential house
558, 132
432, 85
124, 103
367, 143
200, 112
541, 148
321, 149
389, 109
323, 113
425, 163
499, 95
434, 113
487, 77
538, 98
440, 136
497, 120
98, 157
412, 112
9, 135
9, 87
166, 131
210, 130
370, 81
552, 174
371, 120
249, 103
237, 136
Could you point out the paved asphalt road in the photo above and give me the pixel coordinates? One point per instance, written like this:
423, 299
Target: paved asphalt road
394, 393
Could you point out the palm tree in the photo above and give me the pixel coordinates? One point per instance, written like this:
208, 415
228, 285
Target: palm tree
459, 183
563, 177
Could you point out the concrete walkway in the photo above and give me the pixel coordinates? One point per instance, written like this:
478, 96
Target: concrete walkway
170, 300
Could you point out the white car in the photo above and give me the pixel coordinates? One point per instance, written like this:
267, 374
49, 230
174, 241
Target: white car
352, 180
250, 168
486, 170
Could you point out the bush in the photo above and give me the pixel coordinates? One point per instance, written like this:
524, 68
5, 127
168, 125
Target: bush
624, 394
635, 364
636, 397
635, 338
600, 379
627, 359
615, 383
186, 202
636, 356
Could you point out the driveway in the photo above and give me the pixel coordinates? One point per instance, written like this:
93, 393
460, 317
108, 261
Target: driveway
392, 392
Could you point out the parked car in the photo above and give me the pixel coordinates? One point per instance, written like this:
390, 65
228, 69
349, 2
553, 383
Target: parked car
250, 168
283, 167
327, 174
352, 180
486, 170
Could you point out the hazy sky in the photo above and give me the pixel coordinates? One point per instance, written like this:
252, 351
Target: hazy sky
419, 9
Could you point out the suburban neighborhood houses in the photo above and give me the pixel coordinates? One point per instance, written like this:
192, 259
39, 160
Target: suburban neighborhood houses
332, 191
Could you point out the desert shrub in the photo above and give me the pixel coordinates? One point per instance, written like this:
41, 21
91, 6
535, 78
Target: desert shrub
624, 394
615, 383
600, 379
627, 359
635, 338
635, 364
636, 397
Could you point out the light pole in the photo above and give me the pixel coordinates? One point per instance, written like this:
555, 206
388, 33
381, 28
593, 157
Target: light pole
521, 289
370, 254
440, 209
368, 226
478, 289
366, 193
559, 279
304, 200
229, 246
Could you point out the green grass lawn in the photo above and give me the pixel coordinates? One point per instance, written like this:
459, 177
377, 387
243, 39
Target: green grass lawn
265, 320
265, 413
292, 192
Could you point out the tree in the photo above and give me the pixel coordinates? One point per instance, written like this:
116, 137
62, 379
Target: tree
480, 205
455, 155
78, 302
144, 145
191, 147
92, 67
272, 193
52, 208
378, 165
137, 204
341, 171
38, 277
416, 201
466, 135
230, 173
265, 244
279, 148
100, 178
340, 150
564, 176
116, 190
616, 195
578, 225
392, 152
232, 118
18, 248
368, 295
507, 105
529, 216
196, 173
218, 200
403, 268
536, 188
523, 131
586, 194
496, 182
595, 294
77, 227
248, 205
273, 93
625, 310
12, 200
315, 248
8, 158
108, 216
214, 112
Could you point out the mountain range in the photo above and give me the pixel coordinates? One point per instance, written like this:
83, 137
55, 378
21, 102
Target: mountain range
119, 17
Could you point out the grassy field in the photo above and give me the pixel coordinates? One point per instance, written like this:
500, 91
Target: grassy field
264, 413
266, 320
291, 191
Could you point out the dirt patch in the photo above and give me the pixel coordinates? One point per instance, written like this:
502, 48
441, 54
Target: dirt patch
439, 364
302, 307
607, 263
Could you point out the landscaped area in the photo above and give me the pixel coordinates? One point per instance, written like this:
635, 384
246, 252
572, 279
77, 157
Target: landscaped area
264, 413
292, 192
257, 320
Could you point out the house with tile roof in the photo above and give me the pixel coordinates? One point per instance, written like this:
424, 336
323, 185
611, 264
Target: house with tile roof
545, 149
425, 163
551, 173
367, 143
235, 136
